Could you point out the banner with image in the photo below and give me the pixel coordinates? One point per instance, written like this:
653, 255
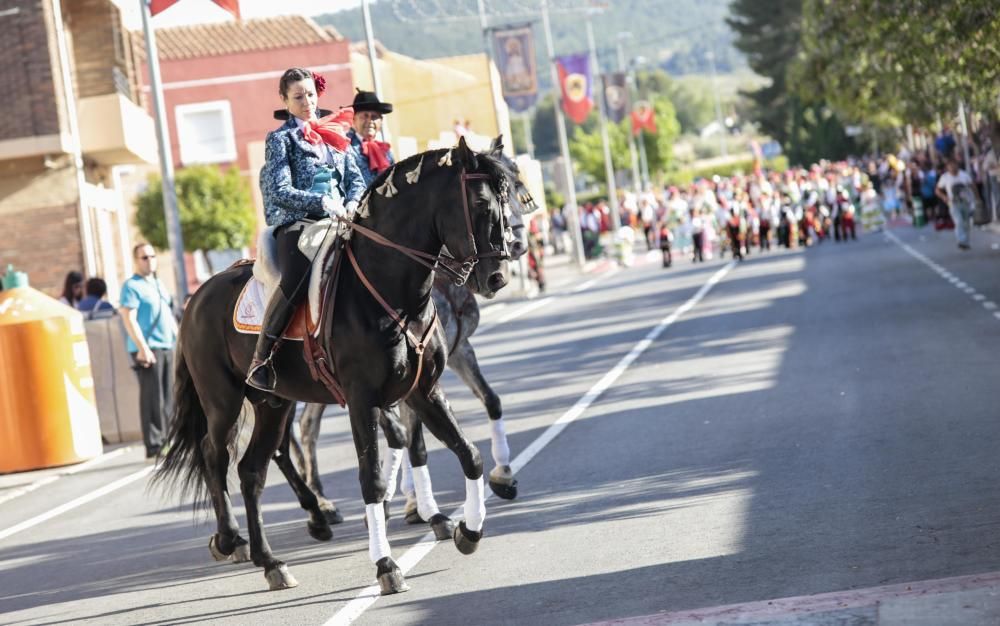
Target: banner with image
616, 98
514, 51
576, 84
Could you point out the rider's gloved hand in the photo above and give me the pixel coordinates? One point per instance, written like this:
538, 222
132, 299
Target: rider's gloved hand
333, 208
352, 207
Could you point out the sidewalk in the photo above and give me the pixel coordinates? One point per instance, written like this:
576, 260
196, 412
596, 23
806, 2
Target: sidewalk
959, 601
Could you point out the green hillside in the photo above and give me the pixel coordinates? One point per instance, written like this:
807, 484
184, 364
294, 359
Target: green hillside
676, 35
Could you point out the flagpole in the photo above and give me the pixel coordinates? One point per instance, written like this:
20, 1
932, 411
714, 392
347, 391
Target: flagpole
174, 237
609, 169
574, 213
622, 67
494, 89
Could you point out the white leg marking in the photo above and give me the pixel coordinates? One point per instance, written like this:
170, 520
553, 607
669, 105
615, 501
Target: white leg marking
498, 434
475, 504
408, 479
378, 543
426, 505
390, 471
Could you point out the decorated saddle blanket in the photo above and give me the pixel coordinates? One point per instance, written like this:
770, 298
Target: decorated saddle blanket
317, 243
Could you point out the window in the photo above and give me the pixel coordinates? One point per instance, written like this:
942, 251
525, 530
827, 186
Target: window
205, 132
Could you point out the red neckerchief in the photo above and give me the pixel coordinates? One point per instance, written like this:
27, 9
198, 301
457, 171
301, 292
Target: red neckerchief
377, 153
331, 130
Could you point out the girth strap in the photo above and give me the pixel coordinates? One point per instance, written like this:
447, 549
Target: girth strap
419, 345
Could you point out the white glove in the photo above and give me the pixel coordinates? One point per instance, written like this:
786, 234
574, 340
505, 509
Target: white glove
333, 208
352, 207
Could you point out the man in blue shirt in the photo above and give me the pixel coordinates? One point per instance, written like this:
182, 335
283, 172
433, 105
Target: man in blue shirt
148, 317
371, 155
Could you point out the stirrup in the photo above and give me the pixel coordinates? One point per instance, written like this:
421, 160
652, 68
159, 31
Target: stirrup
262, 368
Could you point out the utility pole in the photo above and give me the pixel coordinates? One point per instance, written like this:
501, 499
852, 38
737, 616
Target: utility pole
494, 88
622, 67
574, 213
366, 15
609, 169
174, 238
718, 107
528, 142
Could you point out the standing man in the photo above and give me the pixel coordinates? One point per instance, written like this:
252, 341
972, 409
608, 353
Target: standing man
371, 155
152, 332
957, 190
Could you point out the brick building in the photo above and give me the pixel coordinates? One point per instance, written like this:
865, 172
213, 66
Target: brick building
60, 205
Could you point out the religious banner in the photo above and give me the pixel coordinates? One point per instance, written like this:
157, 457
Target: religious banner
514, 50
643, 118
615, 96
575, 82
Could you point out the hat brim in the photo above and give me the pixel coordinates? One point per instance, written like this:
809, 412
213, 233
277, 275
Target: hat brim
379, 107
283, 114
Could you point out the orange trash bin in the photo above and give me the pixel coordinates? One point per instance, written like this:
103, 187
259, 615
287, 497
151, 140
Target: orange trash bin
48, 412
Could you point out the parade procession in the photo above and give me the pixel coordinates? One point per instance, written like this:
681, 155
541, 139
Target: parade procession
631, 312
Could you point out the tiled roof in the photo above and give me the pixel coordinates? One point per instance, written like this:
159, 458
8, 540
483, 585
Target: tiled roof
206, 40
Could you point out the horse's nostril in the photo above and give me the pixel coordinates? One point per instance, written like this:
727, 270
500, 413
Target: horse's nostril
496, 281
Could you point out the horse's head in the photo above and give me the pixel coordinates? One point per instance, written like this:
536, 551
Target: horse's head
521, 202
475, 226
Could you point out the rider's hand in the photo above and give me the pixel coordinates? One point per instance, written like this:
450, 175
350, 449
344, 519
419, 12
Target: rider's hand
332, 208
352, 207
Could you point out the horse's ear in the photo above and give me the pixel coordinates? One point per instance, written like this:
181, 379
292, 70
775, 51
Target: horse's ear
496, 148
465, 155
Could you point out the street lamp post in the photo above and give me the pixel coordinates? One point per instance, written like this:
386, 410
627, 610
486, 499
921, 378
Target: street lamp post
574, 213
609, 170
622, 67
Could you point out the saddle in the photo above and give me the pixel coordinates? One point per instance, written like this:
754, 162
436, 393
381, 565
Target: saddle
319, 241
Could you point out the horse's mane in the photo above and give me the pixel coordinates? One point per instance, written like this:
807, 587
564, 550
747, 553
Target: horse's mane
486, 164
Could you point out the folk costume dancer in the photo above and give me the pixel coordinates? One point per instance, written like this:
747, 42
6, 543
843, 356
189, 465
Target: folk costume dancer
308, 174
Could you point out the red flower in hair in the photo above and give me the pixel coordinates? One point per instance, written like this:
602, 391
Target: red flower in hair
320, 83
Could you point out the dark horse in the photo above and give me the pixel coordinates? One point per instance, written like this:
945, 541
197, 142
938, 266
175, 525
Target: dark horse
458, 313
385, 344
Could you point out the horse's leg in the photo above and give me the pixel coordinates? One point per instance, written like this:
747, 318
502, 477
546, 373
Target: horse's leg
222, 410
463, 362
319, 528
309, 424
268, 431
395, 436
434, 411
365, 414
420, 502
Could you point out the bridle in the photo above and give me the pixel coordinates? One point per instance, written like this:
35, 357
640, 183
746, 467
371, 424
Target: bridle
458, 270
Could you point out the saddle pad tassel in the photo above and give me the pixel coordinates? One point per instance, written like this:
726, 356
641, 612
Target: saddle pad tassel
446, 159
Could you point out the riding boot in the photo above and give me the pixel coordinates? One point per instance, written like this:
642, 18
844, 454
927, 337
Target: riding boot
276, 318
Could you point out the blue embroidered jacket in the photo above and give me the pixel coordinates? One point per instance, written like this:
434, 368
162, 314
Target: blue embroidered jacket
290, 167
362, 161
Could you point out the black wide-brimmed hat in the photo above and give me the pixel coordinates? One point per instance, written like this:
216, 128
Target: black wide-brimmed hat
283, 114
368, 101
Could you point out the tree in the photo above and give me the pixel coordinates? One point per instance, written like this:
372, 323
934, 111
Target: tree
693, 109
770, 34
216, 212
884, 62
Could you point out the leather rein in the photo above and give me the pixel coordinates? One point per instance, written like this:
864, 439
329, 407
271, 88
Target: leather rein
457, 270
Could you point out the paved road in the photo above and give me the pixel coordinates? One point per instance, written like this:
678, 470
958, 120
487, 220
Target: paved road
820, 420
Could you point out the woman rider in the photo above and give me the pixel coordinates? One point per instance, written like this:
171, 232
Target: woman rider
307, 175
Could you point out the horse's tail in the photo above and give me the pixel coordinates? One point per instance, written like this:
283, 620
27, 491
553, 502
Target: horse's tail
183, 466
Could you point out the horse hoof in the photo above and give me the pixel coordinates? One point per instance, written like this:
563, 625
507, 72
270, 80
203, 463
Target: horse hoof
467, 541
320, 532
241, 554
412, 516
442, 526
390, 577
507, 491
280, 578
332, 515
213, 547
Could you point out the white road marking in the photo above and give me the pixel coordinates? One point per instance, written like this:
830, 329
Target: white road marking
989, 306
369, 595
72, 504
48, 480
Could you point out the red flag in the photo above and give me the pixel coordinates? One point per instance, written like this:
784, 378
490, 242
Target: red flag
643, 118
158, 6
575, 82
